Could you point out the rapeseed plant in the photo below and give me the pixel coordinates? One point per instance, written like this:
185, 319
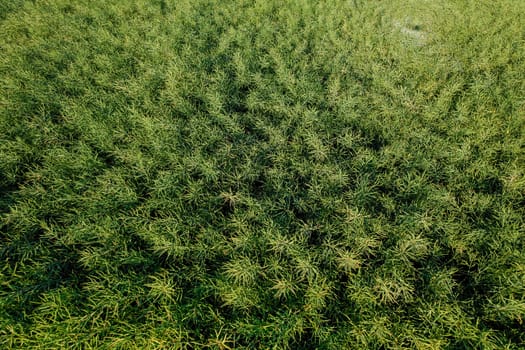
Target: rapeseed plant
259, 174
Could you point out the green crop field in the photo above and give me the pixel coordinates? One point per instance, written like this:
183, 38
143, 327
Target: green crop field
262, 174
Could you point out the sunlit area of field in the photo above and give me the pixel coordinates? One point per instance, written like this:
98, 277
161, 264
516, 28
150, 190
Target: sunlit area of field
268, 174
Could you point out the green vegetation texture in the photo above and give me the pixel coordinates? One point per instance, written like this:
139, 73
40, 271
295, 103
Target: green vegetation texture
262, 174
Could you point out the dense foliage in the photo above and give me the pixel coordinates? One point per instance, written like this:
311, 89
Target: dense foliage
262, 174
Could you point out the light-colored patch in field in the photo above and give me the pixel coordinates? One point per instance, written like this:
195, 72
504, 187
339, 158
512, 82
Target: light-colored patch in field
420, 37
